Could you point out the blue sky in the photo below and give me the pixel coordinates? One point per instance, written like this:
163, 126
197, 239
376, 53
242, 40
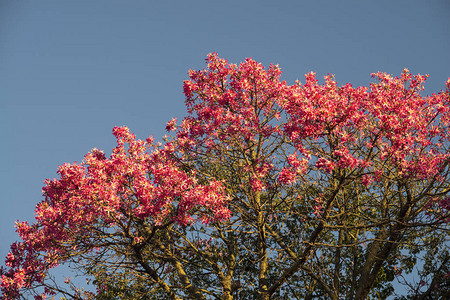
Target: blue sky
72, 70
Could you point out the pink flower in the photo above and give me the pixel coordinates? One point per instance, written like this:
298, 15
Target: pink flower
171, 125
324, 164
287, 176
366, 180
257, 185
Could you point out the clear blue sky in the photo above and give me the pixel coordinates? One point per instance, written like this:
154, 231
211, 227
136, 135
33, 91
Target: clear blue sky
72, 70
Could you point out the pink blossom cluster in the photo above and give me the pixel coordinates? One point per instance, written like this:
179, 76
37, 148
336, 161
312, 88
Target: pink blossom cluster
235, 107
324, 164
295, 167
231, 103
132, 183
365, 128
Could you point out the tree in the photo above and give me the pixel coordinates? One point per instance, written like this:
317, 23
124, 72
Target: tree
265, 191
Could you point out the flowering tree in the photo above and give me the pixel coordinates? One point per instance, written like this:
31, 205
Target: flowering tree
266, 190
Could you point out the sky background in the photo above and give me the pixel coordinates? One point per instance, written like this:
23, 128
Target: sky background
72, 70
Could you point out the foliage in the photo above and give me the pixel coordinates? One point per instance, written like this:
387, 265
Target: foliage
266, 190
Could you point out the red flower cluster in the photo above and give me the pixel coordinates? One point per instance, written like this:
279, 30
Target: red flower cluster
132, 183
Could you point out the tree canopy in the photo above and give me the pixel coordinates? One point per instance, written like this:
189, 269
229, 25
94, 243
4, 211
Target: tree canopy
264, 191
